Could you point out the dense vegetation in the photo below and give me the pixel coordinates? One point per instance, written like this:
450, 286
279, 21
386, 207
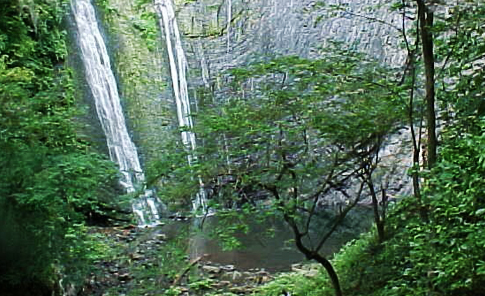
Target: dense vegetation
309, 129
51, 179
440, 252
307, 125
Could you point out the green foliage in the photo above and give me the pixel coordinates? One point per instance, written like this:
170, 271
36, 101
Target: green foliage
50, 178
446, 255
442, 257
172, 174
202, 284
173, 291
291, 131
143, 20
147, 25
302, 114
460, 48
229, 224
298, 284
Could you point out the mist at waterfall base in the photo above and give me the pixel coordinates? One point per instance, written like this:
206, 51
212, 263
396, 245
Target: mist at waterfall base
267, 244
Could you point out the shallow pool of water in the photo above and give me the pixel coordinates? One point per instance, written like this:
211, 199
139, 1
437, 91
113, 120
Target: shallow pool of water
275, 252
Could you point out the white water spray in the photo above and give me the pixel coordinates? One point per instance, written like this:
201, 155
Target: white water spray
178, 72
103, 85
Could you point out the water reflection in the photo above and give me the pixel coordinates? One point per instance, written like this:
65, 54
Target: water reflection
267, 244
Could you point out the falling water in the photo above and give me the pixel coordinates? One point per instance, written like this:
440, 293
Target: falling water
203, 65
178, 70
228, 28
103, 85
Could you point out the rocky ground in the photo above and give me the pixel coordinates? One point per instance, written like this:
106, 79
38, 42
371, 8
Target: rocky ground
145, 262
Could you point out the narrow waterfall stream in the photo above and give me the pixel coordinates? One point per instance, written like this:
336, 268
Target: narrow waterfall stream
102, 83
228, 28
178, 72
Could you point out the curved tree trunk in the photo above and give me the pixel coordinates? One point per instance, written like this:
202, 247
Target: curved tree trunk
311, 253
331, 273
314, 255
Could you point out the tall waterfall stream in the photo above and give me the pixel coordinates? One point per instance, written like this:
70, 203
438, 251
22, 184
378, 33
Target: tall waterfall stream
102, 84
178, 72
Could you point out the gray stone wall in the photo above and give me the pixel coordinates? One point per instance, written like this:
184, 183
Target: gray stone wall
222, 34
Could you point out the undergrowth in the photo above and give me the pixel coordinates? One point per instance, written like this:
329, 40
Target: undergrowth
417, 259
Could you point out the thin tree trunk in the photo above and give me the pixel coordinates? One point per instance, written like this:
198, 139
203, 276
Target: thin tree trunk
416, 148
411, 66
426, 25
375, 207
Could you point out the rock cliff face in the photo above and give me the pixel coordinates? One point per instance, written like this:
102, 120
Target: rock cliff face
221, 34
142, 73
224, 34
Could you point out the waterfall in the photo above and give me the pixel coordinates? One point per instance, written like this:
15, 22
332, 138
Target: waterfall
228, 28
178, 72
102, 83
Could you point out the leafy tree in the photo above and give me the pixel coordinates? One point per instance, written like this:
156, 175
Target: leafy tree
445, 255
294, 135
